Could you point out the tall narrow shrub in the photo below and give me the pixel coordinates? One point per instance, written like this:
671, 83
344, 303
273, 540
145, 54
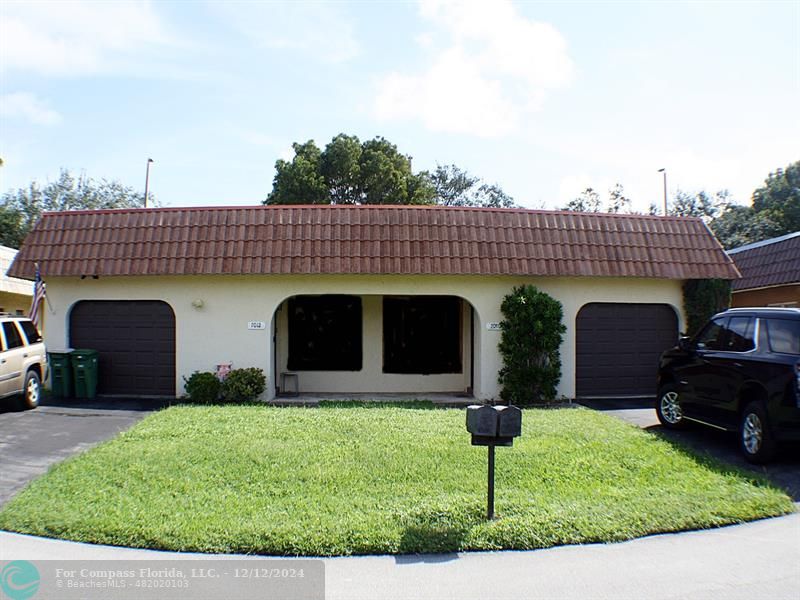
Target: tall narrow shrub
532, 332
703, 298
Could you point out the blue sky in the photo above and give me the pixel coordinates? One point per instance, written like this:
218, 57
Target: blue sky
543, 98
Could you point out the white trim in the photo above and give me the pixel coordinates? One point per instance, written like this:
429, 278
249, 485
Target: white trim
766, 287
762, 243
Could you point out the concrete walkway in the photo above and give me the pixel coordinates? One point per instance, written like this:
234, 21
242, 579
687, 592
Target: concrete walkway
750, 561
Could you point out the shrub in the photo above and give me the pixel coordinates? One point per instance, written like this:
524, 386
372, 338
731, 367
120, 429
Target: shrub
242, 385
532, 332
702, 299
202, 388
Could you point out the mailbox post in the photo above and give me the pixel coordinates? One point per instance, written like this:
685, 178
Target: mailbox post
493, 426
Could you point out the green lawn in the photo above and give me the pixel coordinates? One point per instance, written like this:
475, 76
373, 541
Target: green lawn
384, 479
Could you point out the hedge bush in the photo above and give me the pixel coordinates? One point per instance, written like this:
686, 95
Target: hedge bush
241, 385
702, 299
532, 332
202, 387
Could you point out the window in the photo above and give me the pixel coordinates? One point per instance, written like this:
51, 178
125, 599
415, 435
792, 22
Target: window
784, 335
13, 338
422, 335
711, 338
30, 332
325, 333
740, 334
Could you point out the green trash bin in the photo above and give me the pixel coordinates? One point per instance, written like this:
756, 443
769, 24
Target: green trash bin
60, 373
84, 371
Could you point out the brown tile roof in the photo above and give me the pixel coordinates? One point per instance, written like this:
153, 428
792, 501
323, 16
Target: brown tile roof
369, 240
768, 263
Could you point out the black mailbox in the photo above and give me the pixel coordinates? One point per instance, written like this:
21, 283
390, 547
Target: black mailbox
493, 425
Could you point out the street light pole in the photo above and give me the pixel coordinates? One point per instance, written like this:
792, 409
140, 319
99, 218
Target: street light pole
664, 171
147, 181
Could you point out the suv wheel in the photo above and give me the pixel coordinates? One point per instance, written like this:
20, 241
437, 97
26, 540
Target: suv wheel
32, 391
668, 407
755, 437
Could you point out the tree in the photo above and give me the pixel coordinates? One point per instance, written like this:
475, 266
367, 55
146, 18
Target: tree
20, 209
589, 201
699, 205
775, 211
779, 198
455, 187
349, 171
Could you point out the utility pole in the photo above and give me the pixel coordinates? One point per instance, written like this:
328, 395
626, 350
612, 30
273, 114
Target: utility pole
147, 181
664, 171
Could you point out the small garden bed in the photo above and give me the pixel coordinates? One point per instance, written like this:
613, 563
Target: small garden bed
375, 480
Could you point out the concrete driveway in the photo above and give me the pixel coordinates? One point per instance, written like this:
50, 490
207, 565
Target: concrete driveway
31, 441
784, 471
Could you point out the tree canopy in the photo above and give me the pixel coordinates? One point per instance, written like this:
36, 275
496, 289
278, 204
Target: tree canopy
20, 209
775, 208
349, 171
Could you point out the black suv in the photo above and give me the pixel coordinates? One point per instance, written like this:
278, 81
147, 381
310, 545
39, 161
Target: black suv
740, 373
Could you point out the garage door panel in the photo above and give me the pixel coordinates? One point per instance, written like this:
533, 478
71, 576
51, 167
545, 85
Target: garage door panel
618, 346
135, 341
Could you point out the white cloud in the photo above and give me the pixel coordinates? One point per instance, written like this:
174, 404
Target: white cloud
27, 106
76, 37
316, 29
495, 67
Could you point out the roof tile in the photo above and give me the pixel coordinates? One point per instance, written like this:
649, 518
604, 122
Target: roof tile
370, 240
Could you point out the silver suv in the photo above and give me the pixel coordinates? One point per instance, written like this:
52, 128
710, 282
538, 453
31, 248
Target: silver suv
23, 360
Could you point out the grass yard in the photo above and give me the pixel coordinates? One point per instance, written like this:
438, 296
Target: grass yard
375, 480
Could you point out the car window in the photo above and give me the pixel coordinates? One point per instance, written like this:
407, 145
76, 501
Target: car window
740, 334
784, 336
30, 331
13, 338
712, 337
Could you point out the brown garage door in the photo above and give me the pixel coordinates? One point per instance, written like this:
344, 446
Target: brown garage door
136, 343
617, 348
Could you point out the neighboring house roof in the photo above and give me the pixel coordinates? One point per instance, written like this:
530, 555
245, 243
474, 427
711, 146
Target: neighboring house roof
370, 240
10, 284
768, 263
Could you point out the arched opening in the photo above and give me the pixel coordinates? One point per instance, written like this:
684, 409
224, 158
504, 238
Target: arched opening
135, 341
374, 344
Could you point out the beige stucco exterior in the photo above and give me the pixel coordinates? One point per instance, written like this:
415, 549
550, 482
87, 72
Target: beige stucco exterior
217, 331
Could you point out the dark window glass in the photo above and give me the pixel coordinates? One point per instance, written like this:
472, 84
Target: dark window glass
712, 337
30, 332
784, 335
13, 338
325, 333
422, 335
740, 334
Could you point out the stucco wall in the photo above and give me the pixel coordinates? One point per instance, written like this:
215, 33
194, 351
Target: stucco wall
218, 332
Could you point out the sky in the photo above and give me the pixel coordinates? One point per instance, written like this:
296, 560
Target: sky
542, 98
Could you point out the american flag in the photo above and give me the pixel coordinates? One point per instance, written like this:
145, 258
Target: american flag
39, 294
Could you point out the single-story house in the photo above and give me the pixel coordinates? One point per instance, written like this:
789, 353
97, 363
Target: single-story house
362, 299
15, 294
770, 272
